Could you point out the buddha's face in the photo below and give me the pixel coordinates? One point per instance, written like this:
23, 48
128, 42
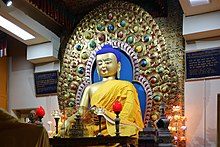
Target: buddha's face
107, 64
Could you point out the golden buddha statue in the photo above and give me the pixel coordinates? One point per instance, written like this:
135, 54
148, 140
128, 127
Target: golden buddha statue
103, 94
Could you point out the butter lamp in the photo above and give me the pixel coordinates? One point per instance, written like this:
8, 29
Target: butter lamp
40, 113
117, 107
56, 114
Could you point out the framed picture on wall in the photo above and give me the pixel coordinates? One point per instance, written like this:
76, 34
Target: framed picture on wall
203, 64
46, 83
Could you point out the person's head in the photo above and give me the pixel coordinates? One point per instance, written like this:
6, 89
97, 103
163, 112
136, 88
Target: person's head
108, 61
32, 116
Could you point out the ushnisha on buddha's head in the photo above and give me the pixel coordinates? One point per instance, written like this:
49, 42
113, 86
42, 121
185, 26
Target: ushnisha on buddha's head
108, 62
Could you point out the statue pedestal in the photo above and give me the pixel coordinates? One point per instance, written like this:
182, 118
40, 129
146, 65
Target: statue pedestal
147, 137
78, 129
164, 138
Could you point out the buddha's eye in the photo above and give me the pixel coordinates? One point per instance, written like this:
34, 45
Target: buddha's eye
108, 62
99, 63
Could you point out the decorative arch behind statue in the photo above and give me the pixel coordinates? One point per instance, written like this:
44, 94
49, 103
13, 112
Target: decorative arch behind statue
131, 29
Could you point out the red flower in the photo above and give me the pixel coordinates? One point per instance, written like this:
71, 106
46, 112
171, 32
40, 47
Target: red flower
117, 107
40, 111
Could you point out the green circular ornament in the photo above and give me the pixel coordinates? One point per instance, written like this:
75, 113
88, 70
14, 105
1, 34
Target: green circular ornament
130, 39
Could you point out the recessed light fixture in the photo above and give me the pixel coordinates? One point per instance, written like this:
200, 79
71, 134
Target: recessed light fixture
198, 2
6, 24
8, 2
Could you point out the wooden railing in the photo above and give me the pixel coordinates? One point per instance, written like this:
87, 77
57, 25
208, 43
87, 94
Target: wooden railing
56, 10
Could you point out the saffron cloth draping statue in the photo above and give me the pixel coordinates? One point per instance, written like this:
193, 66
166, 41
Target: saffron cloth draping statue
103, 94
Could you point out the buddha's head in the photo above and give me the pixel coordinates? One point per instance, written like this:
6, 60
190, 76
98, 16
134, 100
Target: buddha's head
108, 62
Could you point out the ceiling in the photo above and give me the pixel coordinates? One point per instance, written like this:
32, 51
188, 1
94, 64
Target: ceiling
84, 6
79, 8
5, 12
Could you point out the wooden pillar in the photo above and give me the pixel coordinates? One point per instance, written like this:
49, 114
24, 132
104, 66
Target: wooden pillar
4, 82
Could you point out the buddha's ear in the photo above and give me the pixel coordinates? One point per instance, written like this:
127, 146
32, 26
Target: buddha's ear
118, 70
119, 66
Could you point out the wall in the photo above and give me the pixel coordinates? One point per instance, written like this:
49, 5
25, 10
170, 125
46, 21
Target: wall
201, 103
21, 83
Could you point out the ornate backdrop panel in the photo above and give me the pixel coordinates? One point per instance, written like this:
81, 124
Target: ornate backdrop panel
132, 30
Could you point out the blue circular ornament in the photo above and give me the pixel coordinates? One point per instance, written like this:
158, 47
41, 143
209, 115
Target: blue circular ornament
81, 70
78, 47
143, 62
110, 28
146, 38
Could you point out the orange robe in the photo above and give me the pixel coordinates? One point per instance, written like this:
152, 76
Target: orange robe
16, 134
130, 116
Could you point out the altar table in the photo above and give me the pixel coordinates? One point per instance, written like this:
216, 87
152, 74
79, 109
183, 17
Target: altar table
92, 141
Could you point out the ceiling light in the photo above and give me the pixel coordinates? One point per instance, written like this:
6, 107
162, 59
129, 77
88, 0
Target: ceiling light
8, 2
198, 2
6, 24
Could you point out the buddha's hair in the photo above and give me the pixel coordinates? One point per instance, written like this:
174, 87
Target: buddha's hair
107, 48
